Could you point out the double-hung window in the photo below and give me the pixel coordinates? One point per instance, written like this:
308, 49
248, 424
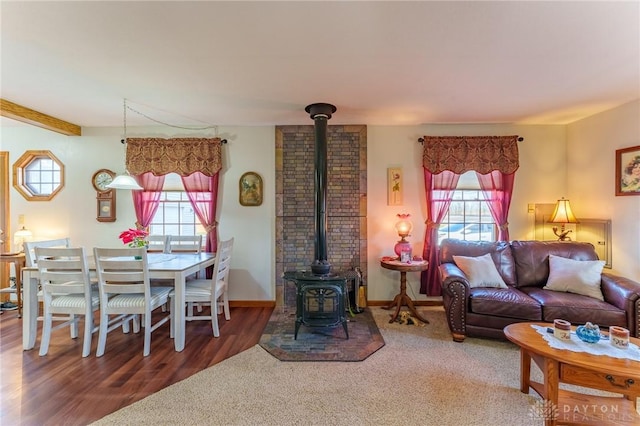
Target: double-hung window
468, 217
175, 214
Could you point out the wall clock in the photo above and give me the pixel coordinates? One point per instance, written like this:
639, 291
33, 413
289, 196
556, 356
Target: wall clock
106, 197
101, 179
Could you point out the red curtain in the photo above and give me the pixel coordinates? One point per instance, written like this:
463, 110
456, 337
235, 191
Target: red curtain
197, 160
444, 159
498, 189
202, 191
147, 200
439, 191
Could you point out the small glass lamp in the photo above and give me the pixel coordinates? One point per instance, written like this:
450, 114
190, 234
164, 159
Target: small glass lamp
562, 214
403, 226
20, 237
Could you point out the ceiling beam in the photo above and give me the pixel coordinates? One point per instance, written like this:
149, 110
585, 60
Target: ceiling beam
26, 115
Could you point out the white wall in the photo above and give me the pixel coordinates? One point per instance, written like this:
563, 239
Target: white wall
592, 144
73, 211
548, 171
540, 179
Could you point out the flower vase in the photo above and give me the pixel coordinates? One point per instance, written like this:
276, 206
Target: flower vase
146, 247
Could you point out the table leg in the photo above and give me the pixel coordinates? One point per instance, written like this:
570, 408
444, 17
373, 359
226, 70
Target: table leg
178, 312
30, 310
525, 370
551, 373
403, 299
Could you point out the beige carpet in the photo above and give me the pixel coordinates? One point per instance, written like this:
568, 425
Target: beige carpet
420, 377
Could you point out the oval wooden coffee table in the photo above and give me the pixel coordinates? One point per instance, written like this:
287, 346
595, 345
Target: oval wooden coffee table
601, 372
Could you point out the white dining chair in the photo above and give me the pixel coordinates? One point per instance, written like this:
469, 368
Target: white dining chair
158, 243
29, 248
126, 293
67, 293
210, 291
185, 243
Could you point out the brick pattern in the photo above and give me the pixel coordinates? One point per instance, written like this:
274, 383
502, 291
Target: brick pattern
295, 209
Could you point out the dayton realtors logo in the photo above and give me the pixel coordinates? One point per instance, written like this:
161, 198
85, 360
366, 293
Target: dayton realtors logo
580, 413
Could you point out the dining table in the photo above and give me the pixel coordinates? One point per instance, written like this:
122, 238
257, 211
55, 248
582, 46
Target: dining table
174, 267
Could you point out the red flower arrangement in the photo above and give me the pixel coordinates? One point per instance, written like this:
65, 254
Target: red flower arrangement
134, 237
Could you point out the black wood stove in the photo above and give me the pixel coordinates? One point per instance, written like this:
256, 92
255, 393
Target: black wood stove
320, 295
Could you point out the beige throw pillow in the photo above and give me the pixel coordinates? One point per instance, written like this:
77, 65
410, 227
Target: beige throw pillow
480, 271
575, 276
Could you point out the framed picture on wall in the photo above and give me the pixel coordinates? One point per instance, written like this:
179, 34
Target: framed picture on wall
628, 171
250, 189
394, 186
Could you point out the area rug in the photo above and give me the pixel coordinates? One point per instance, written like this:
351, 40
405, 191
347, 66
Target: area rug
419, 377
321, 344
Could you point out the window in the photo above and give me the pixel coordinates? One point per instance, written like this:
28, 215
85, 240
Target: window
38, 175
468, 217
175, 215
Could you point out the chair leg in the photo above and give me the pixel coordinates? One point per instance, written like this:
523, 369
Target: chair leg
74, 326
172, 324
102, 334
46, 333
136, 323
225, 302
88, 332
214, 319
147, 334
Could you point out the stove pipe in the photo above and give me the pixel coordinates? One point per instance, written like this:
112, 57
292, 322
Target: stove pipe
320, 113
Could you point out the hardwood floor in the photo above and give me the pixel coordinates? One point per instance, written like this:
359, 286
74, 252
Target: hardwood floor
64, 388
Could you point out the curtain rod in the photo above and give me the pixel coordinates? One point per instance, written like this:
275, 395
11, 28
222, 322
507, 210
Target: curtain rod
421, 140
223, 141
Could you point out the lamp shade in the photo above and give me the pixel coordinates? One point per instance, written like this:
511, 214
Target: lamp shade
404, 225
125, 181
21, 235
563, 213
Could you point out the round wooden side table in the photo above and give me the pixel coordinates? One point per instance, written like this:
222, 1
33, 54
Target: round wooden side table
402, 298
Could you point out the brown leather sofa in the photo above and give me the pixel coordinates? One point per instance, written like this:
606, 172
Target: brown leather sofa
524, 266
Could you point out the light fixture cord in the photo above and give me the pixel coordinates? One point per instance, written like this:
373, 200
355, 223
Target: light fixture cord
167, 124
125, 121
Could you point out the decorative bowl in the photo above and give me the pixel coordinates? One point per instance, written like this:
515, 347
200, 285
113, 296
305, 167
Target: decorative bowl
589, 333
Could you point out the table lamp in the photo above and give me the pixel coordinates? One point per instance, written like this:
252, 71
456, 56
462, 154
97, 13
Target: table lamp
21, 235
403, 226
562, 214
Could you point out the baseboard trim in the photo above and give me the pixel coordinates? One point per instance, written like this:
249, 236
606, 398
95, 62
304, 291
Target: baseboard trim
252, 303
415, 302
272, 304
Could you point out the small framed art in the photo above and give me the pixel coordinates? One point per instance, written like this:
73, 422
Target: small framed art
394, 186
628, 171
250, 189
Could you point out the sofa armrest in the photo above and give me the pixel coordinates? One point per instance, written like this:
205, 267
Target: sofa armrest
623, 293
455, 298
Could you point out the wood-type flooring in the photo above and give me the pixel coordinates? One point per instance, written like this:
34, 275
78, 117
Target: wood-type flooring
62, 388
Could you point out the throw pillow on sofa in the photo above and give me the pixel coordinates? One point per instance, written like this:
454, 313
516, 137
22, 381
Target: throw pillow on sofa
575, 276
480, 271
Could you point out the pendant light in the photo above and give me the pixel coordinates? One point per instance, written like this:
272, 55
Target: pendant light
125, 180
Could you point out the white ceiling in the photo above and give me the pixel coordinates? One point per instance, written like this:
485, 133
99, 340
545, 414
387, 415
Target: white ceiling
261, 63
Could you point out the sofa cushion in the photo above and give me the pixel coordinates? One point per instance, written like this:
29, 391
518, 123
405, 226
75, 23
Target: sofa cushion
532, 258
500, 253
576, 308
480, 271
508, 302
575, 276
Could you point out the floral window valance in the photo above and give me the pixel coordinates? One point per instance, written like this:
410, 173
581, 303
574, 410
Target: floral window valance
460, 154
178, 155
